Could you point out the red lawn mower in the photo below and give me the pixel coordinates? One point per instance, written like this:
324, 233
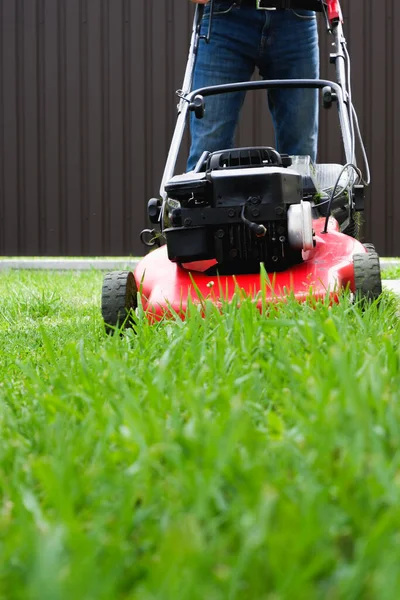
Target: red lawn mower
245, 207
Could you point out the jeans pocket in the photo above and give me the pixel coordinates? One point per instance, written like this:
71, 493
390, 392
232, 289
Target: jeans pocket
303, 14
221, 8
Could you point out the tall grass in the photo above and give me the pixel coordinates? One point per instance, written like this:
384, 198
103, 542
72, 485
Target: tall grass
233, 456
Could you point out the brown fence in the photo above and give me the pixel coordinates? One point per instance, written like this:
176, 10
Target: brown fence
87, 109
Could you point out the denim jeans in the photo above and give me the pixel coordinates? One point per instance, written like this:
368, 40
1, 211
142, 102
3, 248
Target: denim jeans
282, 44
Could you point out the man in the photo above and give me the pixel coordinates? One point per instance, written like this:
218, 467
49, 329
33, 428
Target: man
282, 44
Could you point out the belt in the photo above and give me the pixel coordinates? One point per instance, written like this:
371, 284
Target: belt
283, 4
253, 4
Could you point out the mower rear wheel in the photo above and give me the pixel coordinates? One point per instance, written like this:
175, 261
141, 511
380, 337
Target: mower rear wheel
354, 227
369, 248
118, 299
367, 276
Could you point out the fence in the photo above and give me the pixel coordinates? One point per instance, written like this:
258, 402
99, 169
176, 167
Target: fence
87, 109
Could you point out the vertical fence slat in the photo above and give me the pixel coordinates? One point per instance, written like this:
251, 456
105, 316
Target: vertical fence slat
9, 70
116, 126
52, 127
136, 102
72, 127
395, 148
30, 107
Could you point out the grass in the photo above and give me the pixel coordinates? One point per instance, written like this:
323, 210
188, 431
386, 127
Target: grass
391, 273
236, 457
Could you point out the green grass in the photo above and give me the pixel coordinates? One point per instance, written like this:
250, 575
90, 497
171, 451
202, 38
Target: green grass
238, 456
391, 273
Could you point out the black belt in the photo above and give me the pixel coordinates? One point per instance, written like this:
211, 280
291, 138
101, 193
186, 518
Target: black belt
282, 4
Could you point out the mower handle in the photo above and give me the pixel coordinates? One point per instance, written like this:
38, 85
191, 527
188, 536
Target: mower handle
334, 16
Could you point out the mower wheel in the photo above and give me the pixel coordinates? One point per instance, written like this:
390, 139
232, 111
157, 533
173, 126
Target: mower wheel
353, 229
367, 276
369, 248
119, 297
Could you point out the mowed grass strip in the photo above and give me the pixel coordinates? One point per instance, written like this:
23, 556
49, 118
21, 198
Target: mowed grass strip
391, 272
239, 456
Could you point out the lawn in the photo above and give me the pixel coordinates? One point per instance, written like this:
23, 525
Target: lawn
240, 456
391, 272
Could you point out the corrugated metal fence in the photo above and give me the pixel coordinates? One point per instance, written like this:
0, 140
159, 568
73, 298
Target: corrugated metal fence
87, 109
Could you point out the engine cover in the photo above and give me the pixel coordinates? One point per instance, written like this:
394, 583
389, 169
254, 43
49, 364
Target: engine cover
235, 210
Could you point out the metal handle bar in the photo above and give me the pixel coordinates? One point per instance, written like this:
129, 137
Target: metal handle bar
287, 84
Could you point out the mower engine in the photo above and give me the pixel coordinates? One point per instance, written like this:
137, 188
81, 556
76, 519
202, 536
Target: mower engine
240, 207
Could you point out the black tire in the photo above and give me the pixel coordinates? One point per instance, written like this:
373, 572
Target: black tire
370, 248
118, 299
353, 229
367, 276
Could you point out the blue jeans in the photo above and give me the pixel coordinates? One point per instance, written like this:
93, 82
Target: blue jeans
282, 44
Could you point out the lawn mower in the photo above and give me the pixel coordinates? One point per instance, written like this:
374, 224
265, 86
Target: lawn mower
242, 210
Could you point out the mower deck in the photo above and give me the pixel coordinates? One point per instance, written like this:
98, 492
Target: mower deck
327, 269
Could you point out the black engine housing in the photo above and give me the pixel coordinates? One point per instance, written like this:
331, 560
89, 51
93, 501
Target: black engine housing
233, 208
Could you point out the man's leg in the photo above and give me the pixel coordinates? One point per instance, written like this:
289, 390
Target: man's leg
290, 51
229, 57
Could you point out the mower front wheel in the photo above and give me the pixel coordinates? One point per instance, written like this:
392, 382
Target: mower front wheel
367, 275
118, 299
